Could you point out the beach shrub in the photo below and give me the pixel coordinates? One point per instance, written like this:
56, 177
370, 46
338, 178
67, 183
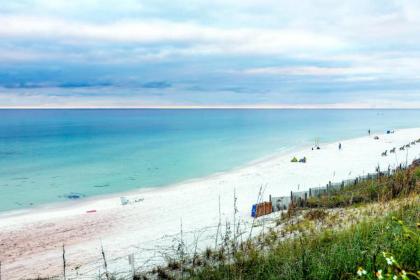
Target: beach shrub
417, 173
383, 188
388, 266
331, 254
316, 214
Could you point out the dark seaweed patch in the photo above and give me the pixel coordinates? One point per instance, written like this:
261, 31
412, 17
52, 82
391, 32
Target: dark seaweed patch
101, 186
73, 196
20, 178
8, 153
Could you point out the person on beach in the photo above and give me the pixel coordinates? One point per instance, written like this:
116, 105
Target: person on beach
339, 146
369, 131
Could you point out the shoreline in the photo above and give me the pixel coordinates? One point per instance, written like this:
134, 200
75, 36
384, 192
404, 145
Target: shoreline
71, 204
122, 229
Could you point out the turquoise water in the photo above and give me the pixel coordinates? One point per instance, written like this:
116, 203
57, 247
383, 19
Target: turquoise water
56, 155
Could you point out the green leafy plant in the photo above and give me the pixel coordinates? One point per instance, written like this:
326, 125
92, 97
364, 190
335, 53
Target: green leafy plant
392, 269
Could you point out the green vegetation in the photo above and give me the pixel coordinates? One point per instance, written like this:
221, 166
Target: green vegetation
331, 254
383, 188
375, 233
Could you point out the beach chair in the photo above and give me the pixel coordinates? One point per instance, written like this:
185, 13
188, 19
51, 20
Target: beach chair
124, 200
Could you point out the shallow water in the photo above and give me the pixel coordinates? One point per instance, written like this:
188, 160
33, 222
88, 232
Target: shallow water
55, 155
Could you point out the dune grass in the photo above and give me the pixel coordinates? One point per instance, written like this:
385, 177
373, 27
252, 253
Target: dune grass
331, 254
383, 188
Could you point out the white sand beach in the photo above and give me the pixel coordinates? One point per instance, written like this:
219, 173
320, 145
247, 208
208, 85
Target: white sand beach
31, 242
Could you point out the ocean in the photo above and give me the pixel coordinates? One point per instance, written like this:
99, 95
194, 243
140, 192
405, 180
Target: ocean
48, 156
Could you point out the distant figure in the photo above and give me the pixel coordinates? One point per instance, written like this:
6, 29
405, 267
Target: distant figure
369, 131
303, 160
339, 146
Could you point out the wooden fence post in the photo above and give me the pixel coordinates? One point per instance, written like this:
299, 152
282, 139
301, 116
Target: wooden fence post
64, 262
131, 263
105, 263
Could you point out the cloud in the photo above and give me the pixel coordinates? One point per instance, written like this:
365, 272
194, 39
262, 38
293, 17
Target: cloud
209, 52
165, 32
313, 71
157, 84
48, 85
22, 55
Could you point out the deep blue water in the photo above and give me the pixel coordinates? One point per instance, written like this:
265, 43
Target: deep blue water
46, 155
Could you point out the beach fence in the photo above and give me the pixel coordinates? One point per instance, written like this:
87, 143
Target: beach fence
261, 209
281, 203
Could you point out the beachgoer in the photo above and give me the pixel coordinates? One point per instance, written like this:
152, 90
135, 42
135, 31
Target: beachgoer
339, 146
369, 131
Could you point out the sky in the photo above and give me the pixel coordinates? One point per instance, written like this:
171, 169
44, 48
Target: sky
218, 53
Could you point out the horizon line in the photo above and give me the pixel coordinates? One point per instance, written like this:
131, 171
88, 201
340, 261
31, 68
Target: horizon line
264, 107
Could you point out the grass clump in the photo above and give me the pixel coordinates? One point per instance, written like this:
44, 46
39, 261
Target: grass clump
383, 188
316, 214
332, 254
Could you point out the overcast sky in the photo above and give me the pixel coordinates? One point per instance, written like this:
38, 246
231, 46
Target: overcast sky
116, 53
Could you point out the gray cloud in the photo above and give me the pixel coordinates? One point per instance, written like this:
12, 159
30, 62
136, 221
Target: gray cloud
155, 52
